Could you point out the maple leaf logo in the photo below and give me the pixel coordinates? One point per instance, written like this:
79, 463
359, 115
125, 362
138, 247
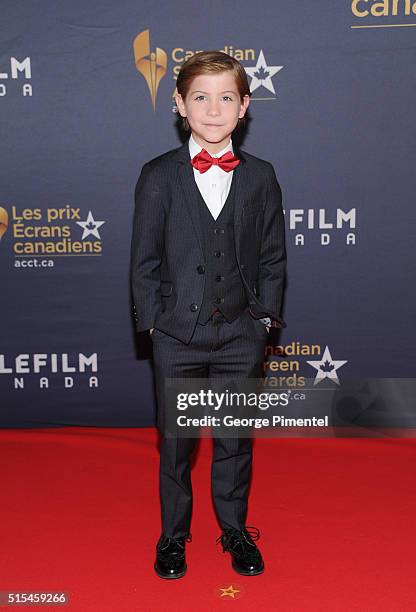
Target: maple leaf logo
261, 74
326, 366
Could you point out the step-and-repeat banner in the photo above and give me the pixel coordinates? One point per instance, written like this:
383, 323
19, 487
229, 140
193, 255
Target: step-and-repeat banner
333, 108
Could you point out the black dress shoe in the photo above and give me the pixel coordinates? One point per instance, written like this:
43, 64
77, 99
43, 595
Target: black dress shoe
170, 556
246, 557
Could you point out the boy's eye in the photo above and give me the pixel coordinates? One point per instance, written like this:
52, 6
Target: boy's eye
202, 96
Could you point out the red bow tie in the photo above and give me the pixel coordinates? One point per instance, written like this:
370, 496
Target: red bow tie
203, 161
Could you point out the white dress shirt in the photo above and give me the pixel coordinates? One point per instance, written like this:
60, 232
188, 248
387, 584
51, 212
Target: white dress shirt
215, 183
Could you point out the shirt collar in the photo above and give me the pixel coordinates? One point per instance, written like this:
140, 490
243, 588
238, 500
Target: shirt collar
195, 148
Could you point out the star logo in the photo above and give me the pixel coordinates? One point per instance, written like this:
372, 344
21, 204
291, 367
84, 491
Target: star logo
326, 367
229, 592
261, 74
90, 226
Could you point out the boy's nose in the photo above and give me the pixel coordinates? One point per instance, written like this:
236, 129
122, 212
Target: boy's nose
213, 110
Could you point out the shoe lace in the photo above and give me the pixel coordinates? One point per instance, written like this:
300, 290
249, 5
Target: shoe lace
171, 551
230, 537
179, 542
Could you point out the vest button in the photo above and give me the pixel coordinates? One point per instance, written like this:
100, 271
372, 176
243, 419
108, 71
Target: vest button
217, 230
242, 266
219, 278
193, 307
201, 269
218, 253
219, 300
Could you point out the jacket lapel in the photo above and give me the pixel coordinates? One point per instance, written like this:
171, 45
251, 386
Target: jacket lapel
190, 190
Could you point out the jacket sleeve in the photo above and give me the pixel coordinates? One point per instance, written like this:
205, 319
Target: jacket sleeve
272, 266
147, 248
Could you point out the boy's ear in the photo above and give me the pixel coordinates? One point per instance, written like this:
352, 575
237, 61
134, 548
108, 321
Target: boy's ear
244, 105
180, 105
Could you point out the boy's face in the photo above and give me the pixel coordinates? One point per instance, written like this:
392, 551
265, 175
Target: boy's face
213, 108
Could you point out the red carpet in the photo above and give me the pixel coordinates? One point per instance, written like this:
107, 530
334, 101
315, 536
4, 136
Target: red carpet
80, 514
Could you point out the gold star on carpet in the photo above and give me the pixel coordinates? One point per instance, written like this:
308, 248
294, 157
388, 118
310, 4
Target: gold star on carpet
230, 591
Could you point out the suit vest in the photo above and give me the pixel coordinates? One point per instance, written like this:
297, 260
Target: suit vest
224, 289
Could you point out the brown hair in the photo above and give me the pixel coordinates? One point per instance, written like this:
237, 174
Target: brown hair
210, 62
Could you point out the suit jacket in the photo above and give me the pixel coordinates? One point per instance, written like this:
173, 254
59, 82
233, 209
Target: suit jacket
166, 246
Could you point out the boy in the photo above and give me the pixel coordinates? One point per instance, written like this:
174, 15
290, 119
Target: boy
208, 265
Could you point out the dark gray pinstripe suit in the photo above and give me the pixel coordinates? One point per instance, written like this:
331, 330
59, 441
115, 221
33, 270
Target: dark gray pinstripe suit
167, 293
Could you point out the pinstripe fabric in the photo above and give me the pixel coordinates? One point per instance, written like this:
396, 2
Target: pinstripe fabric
166, 258
220, 262
217, 350
166, 246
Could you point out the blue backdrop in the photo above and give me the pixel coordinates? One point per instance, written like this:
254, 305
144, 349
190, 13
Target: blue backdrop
333, 99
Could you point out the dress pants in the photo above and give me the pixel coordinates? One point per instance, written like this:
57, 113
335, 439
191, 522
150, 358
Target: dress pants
218, 349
